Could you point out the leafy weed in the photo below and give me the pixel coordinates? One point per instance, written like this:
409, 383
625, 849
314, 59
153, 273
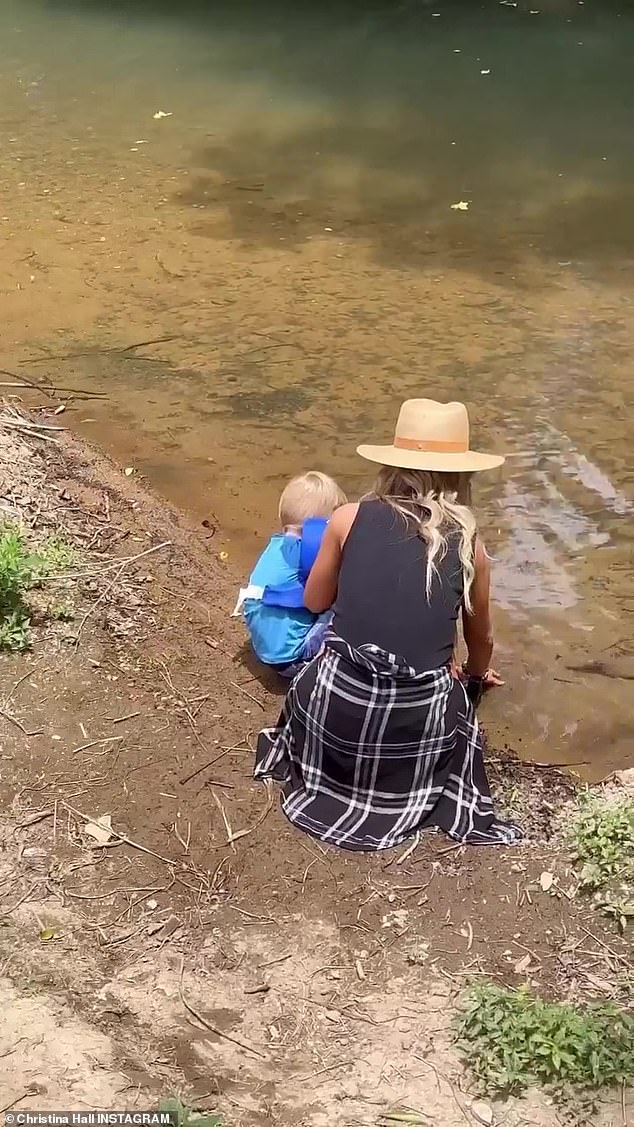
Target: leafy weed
512, 1039
61, 611
601, 839
183, 1116
20, 570
15, 578
52, 557
15, 631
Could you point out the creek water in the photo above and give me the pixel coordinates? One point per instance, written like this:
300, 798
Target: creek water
266, 192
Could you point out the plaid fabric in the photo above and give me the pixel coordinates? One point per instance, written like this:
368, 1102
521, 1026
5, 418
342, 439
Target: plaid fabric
371, 752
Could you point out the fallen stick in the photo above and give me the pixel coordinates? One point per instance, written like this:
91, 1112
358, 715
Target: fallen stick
20, 725
17, 904
248, 694
225, 751
225, 819
124, 839
410, 849
31, 1091
34, 433
13, 421
321, 1071
120, 719
109, 567
45, 387
212, 1028
108, 589
610, 950
96, 743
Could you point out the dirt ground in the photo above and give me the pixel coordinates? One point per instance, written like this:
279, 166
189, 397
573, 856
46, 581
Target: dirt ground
207, 948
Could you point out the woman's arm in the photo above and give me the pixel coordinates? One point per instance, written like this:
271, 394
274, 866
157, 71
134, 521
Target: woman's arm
476, 625
321, 586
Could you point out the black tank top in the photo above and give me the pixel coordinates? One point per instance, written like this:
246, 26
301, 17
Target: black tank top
381, 594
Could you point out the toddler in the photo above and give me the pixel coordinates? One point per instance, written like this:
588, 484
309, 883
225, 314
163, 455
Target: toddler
284, 634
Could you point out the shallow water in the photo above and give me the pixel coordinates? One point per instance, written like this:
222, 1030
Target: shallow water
288, 225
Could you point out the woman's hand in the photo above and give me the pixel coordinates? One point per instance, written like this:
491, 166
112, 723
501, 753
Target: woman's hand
491, 680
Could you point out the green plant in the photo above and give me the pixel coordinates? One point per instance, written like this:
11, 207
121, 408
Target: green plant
15, 577
54, 555
15, 565
621, 908
601, 839
183, 1116
21, 569
14, 630
62, 611
512, 1038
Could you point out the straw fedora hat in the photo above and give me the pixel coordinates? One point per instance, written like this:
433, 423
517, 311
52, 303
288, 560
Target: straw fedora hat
431, 436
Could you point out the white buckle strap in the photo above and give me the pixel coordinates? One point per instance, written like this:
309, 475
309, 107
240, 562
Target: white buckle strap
250, 592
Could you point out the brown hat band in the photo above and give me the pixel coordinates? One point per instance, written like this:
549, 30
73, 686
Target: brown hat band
431, 445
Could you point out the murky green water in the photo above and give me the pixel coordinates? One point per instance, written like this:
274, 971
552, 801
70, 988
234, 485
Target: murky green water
270, 186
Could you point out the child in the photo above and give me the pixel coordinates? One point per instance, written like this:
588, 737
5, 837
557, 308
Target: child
283, 633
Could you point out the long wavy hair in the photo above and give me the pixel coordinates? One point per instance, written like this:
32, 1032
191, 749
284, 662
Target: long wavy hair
439, 505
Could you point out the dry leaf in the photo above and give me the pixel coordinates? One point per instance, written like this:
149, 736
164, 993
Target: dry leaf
601, 984
546, 881
159, 114
128, 471
522, 964
462, 205
100, 828
155, 927
482, 1112
48, 933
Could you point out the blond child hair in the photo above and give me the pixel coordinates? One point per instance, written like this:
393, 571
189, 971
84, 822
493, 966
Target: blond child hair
311, 494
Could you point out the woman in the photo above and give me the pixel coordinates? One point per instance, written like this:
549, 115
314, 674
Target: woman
378, 739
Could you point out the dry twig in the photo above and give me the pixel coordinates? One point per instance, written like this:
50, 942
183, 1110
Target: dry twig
248, 694
124, 839
20, 725
125, 563
213, 1028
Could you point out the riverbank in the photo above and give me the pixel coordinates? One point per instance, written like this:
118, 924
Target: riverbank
159, 913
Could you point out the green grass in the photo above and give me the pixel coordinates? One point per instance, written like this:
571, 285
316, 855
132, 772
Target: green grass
183, 1116
61, 611
20, 570
601, 840
512, 1039
53, 557
15, 578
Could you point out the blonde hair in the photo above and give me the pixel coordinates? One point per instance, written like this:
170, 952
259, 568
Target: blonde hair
439, 505
310, 494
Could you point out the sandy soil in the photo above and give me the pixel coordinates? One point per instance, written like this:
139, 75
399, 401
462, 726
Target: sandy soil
264, 976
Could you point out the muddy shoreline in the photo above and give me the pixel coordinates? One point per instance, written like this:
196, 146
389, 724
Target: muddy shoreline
316, 973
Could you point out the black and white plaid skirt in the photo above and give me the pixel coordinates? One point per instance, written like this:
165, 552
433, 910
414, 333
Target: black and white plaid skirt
371, 752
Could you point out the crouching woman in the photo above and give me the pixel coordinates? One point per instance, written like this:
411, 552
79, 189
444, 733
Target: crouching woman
378, 739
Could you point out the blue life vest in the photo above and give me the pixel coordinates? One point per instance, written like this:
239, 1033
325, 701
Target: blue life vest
291, 593
273, 602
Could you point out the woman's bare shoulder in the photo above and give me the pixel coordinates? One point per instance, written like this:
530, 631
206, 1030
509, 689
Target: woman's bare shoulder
343, 519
